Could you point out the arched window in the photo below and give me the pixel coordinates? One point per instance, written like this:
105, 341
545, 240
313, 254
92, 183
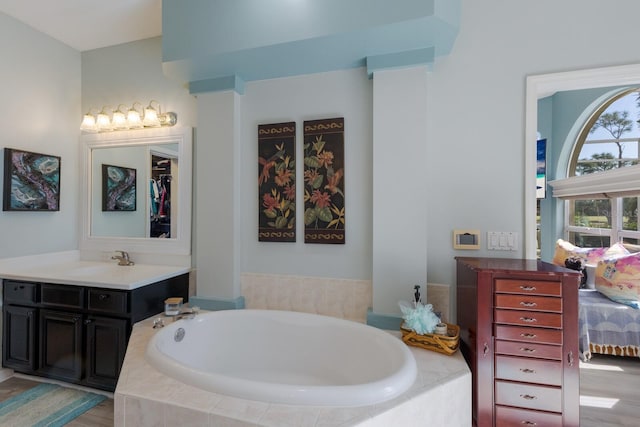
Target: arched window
601, 208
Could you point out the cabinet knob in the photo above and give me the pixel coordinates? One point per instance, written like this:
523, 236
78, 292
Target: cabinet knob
87, 321
103, 297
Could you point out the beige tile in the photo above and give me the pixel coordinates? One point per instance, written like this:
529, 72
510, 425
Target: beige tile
183, 417
143, 412
290, 416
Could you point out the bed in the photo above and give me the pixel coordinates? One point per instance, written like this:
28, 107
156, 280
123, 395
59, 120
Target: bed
607, 327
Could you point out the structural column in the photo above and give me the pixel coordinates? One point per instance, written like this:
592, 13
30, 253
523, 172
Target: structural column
399, 186
217, 183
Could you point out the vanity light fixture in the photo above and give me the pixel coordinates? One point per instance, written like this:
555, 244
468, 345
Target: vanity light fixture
102, 120
119, 119
151, 116
123, 118
133, 117
89, 123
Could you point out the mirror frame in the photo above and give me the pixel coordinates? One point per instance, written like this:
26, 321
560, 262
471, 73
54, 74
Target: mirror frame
180, 245
540, 86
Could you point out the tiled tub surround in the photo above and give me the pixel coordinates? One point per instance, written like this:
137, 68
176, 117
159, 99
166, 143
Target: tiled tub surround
441, 395
344, 298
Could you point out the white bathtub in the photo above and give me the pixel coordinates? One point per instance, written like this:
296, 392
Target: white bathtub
285, 357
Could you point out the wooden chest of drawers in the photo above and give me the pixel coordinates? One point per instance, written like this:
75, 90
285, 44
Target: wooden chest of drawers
519, 333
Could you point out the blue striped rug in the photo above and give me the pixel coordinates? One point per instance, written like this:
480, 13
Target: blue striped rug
46, 405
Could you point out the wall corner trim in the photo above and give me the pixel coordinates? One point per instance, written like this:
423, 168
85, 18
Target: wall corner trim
407, 58
219, 84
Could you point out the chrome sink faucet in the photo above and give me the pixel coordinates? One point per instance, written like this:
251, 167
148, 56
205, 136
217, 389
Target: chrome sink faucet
123, 258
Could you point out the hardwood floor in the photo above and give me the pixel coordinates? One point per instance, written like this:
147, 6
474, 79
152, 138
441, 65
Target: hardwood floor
609, 391
100, 415
608, 394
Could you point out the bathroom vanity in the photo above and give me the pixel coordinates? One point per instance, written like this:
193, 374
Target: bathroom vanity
72, 321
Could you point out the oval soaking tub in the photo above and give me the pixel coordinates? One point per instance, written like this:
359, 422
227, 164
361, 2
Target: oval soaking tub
284, 357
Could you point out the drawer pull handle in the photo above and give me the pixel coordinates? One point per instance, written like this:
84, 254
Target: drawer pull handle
570, 358
527, 288
527, 304
103, 297
529, 319
527, 371
528, 350
528, 335
528, 423
486, 350
528, 397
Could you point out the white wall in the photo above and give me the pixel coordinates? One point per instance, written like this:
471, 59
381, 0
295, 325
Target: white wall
345, 94
40, 111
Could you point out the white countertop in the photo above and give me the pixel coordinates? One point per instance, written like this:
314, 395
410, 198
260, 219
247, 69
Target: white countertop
64, 269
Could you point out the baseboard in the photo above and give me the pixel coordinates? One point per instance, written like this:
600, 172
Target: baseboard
214, 304
383, 321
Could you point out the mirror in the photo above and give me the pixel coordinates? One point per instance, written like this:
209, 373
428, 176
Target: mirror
137, 191
539, 86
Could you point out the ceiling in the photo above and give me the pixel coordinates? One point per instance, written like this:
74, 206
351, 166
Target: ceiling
89, 24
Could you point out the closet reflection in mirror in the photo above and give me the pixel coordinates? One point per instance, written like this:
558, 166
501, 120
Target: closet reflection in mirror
156, 188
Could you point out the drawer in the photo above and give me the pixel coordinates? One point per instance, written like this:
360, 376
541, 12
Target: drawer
528, 349
20, 292
529, 287
521, 395
528, 318
106, 300
528, 302
537, 371
524, 334
62, 296
512, 417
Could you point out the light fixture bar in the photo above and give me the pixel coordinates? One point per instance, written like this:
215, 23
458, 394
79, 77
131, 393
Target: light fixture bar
122, 118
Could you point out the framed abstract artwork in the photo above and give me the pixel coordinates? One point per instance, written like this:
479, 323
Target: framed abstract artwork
324, 198
277, 182
31, 181
118, 188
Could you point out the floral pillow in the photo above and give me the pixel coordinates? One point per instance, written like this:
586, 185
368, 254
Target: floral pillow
590, 256
619, 279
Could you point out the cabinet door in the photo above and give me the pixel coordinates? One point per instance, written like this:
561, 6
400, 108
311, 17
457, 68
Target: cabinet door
19, 343
61, 345
105, 349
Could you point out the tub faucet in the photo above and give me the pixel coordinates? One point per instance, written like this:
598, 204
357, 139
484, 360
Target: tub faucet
123, 258
189, 313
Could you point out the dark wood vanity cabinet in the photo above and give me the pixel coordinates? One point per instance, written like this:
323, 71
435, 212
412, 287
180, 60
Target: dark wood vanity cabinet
519, 334
73, 333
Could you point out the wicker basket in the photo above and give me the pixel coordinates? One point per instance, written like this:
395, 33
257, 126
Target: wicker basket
446, 344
